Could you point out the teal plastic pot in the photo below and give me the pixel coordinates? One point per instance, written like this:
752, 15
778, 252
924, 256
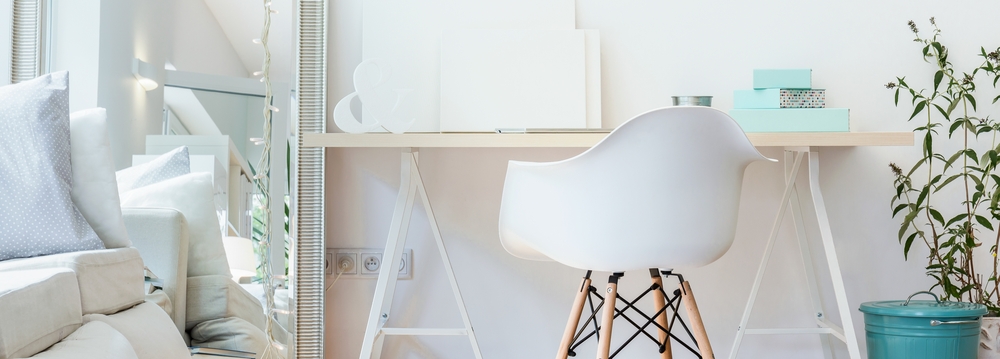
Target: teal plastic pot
922, 329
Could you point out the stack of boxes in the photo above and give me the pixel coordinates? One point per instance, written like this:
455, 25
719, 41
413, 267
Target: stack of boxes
783, 100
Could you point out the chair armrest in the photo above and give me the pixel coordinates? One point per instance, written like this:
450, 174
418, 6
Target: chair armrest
161, 236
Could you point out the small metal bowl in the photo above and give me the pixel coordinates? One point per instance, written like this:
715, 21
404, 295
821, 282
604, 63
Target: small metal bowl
692, 100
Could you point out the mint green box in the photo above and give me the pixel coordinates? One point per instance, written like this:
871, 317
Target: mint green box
793, 120
782, 78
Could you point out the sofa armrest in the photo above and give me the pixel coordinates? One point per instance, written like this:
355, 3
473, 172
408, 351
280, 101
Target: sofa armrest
161, 236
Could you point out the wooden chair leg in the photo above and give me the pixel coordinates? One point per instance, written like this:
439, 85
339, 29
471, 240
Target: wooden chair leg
660, 302
697, 326
574, 318
604, 344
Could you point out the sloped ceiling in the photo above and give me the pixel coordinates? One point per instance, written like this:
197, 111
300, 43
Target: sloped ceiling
242, 21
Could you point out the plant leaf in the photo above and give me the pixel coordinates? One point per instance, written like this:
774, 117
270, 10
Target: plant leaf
906, 222
954, 126
937, 215
919, 107
900, 208
951, 160
971, 99
923, 195
906, 246
985, 222
956, 219
947, 181
937, 79
941, 110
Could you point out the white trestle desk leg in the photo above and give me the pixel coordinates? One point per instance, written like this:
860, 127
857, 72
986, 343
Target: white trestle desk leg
807, 260
741, 331
831, 259
386, 286
447, 265
410, 185
790, 199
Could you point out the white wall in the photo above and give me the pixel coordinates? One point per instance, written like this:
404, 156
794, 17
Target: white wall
652, 50
96, 41
200, 45
76, 43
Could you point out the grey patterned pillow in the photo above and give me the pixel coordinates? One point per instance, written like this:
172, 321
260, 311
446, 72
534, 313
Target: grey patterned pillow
172, 164
37, 215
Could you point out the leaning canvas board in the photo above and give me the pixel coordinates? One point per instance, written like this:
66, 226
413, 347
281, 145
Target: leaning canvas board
512, 79
509, 14
406, 35
593, 43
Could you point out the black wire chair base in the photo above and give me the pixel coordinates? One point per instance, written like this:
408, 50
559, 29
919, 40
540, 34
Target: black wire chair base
673, 302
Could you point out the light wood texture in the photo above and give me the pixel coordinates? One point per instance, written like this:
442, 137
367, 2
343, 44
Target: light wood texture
586, 140
659, 302
604, 344
574, 319
697, 325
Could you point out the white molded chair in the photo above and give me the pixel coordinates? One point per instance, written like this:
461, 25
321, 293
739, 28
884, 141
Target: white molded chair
661, 191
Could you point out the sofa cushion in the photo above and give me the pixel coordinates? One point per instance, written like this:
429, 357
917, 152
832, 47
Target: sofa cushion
193, 195
149, 330
36, 210
229, 334
95, 191
94, 340
110, 279
213, 297
169, 165
37, 309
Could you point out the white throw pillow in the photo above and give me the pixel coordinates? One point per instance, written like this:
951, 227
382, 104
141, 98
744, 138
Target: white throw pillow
95, 190
172, 164
193, 196
37, 215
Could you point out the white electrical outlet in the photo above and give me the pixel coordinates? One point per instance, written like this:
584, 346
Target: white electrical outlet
371, 262
364, 262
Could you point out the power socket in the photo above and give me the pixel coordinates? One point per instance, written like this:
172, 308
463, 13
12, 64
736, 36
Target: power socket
371, 262
367, 262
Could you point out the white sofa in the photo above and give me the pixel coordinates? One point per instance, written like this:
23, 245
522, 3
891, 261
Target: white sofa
92, 304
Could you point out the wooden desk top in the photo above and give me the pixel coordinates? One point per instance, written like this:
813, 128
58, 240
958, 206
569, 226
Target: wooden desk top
585, 140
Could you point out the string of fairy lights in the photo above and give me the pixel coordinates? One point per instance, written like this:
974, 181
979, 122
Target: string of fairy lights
262, 182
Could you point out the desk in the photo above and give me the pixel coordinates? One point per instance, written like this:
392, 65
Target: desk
797, 154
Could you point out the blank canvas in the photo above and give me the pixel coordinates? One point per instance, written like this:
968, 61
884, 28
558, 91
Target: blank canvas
593, 44
512, 79
406, 34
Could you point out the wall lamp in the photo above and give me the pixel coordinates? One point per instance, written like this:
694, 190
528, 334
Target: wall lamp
145, 73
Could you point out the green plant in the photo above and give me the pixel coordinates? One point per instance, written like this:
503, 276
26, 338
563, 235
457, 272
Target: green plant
954, 223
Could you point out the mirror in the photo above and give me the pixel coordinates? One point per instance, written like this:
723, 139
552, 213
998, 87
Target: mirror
212, 88
199, 60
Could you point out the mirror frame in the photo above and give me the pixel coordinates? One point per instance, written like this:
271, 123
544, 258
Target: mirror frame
308, 189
